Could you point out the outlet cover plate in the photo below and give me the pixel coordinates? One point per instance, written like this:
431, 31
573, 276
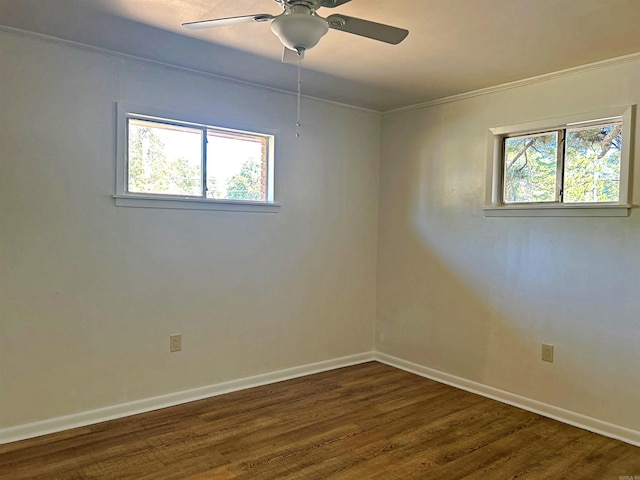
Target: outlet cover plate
175, 343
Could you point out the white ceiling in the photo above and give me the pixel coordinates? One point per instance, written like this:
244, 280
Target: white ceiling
454, 46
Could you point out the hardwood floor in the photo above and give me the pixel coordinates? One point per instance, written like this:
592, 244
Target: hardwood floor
365, 422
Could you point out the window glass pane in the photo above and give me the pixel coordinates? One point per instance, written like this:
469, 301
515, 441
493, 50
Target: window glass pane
530, 166
164, 159
236, 166
592, 164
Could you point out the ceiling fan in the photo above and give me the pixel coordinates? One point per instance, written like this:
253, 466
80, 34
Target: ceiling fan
300, 28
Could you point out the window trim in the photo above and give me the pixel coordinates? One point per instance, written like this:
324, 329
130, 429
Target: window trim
124, 198
494, 205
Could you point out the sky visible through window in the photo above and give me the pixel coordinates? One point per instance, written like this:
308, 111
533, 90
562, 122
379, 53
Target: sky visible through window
226, 156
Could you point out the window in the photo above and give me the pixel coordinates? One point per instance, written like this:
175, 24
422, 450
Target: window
571, 165
166, 163
577, 165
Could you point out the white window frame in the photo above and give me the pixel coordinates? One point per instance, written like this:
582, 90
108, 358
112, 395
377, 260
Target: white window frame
124, 198
494, 205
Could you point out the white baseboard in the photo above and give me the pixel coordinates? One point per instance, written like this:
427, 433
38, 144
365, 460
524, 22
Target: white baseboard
566, 416
36, 429
44, 427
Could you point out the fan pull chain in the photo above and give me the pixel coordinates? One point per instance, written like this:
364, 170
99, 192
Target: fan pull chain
299, 117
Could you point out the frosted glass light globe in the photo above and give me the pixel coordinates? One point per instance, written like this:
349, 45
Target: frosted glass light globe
299, 30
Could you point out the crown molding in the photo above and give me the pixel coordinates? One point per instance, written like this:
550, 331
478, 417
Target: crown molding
519, 83
236, 81
169, 66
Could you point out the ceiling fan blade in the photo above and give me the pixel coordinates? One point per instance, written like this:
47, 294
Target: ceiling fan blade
291, 56
225, 22
333, 3
365, 28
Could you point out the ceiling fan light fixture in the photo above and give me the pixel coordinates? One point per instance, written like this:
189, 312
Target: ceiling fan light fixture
299, 31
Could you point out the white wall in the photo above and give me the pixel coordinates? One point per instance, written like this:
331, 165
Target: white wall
475, 297
91, 292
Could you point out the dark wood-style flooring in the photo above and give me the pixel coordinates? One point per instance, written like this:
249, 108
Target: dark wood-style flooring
364, 422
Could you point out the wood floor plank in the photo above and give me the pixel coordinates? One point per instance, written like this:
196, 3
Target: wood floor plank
369, 422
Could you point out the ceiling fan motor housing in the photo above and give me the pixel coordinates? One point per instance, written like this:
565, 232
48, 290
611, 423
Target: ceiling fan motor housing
299, 31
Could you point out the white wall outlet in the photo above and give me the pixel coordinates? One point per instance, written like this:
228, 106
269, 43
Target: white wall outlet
547, 352
175, 343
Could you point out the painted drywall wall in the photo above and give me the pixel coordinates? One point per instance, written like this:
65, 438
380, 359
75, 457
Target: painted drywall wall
476, 297
90, 292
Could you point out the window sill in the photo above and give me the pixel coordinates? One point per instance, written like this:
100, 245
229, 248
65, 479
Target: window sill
144, 201
581, 210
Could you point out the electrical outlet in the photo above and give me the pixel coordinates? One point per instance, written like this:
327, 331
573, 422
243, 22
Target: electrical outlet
547, 353
175, 343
